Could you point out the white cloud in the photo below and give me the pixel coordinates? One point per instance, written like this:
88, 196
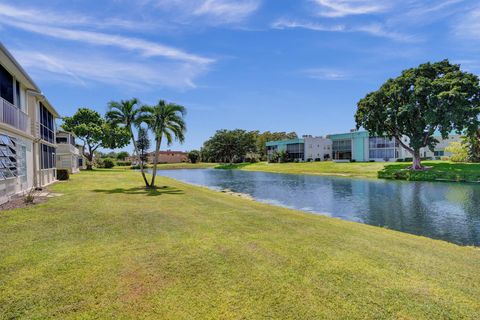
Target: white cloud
214, 11
292, 24
342, 8
376, 30
325, 74
132, 74
468, 26
43, 16
146, 48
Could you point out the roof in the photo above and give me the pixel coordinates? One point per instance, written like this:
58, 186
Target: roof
13, 66
284, 142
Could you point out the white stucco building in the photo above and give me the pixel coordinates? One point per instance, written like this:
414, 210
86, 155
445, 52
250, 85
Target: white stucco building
27, 131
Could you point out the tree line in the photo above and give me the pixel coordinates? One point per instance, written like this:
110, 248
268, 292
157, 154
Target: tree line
234, 146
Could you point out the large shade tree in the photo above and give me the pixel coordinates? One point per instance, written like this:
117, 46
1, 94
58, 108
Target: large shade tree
165, 120
230, 145
89, 126
126, 113
432, 98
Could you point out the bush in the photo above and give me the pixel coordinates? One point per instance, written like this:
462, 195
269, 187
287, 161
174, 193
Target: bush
63, 174
400, 160
124, 163
353, 160
408, 159
371, 160
445, 158
108, 163
318, 159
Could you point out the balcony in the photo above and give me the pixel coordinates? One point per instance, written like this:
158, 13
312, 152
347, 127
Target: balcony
13, 116
66, 148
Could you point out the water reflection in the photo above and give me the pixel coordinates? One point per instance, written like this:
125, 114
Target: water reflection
437, 210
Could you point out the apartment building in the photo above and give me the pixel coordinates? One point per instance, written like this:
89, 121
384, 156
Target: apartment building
68, 154
360, 146
167, 156
27, 131
353, 146
307, 148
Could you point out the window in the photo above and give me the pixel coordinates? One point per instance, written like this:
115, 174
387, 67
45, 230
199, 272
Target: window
47, 124
62, 140
382, 148
439, 153
48, 157
6, 85
18, 103
8, 157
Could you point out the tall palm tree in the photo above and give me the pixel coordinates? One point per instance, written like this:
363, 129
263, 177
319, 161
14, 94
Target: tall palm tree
165, 120
127, 113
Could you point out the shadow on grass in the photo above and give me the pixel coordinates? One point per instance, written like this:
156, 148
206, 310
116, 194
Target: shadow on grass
150, 192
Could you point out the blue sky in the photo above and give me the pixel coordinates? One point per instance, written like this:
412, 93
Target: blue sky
278, 65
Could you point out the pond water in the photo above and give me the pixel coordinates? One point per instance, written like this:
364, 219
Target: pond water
445, 211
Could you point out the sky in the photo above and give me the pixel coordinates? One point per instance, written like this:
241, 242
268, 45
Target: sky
277, 65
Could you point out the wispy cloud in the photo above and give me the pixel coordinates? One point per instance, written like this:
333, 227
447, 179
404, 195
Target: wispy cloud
293, 24
342, 8
105, 69
325, 74
44, 16
214, 11
468, 27
373, 29
109, 58
146, 48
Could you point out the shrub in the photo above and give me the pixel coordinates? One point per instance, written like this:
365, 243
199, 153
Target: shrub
108, 163
318, 159
193, 156
445, 158
408, 159
458, 150
400, 160
371, 160
353, 160
63, 174
135, 167
29, 197
124, 163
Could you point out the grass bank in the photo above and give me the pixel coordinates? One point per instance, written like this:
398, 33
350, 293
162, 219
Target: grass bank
438, 171
327, 168
110, 249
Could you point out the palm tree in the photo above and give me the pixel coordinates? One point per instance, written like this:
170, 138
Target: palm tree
127, 113
165, 120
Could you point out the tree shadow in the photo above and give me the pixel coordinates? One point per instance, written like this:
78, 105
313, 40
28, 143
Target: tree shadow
149, 192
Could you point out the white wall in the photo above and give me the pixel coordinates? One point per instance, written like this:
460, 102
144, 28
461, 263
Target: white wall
317, 147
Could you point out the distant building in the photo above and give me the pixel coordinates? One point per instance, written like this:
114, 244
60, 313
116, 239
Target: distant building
167, 156
68, 154
353, 146
308, 148
360, 146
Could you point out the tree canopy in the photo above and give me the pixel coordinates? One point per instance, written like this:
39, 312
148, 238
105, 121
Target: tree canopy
89, 126
229, 146
432, 98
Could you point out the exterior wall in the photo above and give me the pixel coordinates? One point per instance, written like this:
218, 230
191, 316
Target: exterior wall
67, 153
317, 148
359, 144
282, 145
168, 157
24, 181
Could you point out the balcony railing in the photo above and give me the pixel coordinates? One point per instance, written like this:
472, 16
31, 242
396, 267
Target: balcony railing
13, 116
67, 148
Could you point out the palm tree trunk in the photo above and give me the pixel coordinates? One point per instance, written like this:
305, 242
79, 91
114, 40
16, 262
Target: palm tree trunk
155, 161
135, 149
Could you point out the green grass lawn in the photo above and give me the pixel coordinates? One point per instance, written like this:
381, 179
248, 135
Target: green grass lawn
108, 249
182, 165
329, 168
439, 171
